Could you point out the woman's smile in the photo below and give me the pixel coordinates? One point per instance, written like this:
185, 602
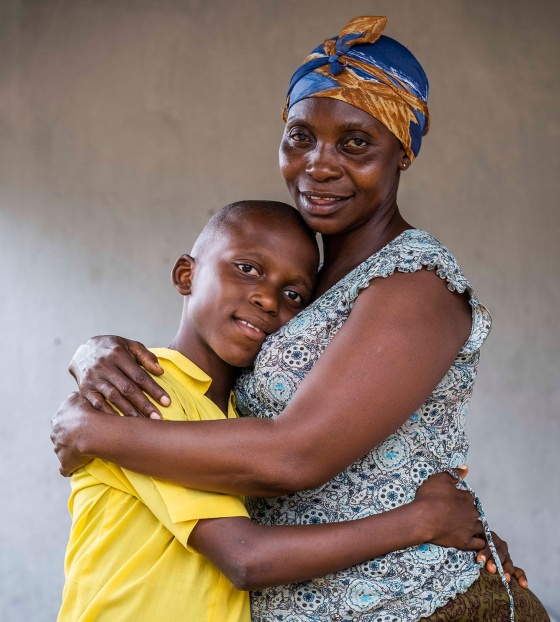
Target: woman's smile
321, 203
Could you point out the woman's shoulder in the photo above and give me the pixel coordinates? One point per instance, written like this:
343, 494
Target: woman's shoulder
414, 250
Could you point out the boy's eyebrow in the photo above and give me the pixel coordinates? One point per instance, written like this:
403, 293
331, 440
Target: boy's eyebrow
298, 278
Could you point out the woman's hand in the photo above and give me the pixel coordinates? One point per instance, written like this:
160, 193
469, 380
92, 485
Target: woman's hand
111, 368
69, 427
510, 570
450, 515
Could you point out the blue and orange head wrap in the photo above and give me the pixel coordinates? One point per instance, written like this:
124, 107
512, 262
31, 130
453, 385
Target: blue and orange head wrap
372, 72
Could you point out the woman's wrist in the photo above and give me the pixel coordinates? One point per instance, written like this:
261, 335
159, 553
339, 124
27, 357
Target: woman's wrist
99, 434
72, 433
87, 430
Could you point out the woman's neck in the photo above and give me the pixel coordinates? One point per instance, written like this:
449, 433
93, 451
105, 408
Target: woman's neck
345, 251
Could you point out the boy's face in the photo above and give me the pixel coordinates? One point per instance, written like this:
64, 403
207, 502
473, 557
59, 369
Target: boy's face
250, 281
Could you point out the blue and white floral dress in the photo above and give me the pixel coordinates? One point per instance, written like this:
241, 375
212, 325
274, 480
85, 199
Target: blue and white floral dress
404, 585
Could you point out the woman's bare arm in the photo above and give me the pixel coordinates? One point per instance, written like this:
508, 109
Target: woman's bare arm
400, 339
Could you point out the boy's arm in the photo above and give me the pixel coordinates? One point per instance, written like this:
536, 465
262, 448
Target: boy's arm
256, 556
178, 509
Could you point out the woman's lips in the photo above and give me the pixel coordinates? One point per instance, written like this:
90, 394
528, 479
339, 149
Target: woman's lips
322, 204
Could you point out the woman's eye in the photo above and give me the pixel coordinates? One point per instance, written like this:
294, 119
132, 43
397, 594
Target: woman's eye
299, 137
356, 142
247, 268
294, 296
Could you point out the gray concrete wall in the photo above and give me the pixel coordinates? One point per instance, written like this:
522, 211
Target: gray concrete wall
124, 125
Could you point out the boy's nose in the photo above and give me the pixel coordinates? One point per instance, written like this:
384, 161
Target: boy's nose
265, 298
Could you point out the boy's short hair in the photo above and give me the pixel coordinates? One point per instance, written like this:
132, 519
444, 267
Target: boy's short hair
235, 213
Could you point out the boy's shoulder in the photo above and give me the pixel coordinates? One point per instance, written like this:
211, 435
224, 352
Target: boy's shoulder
186, 385
179, 368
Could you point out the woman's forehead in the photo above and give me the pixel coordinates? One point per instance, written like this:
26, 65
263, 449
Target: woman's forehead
332, 113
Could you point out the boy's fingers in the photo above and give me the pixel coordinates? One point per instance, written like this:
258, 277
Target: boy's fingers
485, 556
521, 577
507, 565
461, 471
477, 543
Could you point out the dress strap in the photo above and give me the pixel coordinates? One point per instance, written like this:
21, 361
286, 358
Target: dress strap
462, 484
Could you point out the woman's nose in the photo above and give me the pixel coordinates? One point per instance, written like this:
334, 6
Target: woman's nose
322, 163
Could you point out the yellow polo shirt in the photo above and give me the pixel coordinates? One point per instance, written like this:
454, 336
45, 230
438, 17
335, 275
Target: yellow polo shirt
127, 558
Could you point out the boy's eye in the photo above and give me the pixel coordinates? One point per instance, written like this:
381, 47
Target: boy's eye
294, 296
247, 268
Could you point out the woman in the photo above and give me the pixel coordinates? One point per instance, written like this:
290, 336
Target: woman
363, 356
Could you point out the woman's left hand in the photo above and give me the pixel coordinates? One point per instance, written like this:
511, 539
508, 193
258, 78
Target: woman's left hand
69, 426
510, 570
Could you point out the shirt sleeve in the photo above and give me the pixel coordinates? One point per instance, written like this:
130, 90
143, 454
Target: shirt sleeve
177, 508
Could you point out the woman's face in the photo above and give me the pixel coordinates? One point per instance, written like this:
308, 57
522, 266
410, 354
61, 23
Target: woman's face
341, 165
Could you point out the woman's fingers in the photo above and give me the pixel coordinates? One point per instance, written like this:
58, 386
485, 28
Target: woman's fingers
145, 358
98, 401
138, 383
66, 432
114, 394
109, 366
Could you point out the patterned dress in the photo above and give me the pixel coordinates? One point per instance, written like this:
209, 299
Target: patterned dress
404, 585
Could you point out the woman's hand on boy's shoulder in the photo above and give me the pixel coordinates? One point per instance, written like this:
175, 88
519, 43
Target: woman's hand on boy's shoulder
108, 367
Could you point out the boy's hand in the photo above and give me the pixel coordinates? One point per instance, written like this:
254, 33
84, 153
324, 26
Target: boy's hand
449, 515
510, 570
112, 368
68, 427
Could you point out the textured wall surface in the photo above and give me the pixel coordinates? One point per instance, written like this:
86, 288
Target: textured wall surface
124, 125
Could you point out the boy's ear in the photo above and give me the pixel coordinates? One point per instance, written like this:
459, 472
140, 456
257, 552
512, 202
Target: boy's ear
182, 274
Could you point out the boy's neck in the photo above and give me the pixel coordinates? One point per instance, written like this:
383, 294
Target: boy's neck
222, 374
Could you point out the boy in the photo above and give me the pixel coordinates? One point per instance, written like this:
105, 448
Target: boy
140, 548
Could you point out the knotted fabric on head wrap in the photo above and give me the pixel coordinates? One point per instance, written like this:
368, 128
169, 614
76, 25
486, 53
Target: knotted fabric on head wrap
372, 72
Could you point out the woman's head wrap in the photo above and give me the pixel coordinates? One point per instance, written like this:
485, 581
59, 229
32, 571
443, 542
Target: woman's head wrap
372, 72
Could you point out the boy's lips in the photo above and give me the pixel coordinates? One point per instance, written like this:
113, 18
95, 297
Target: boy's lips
254, 329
